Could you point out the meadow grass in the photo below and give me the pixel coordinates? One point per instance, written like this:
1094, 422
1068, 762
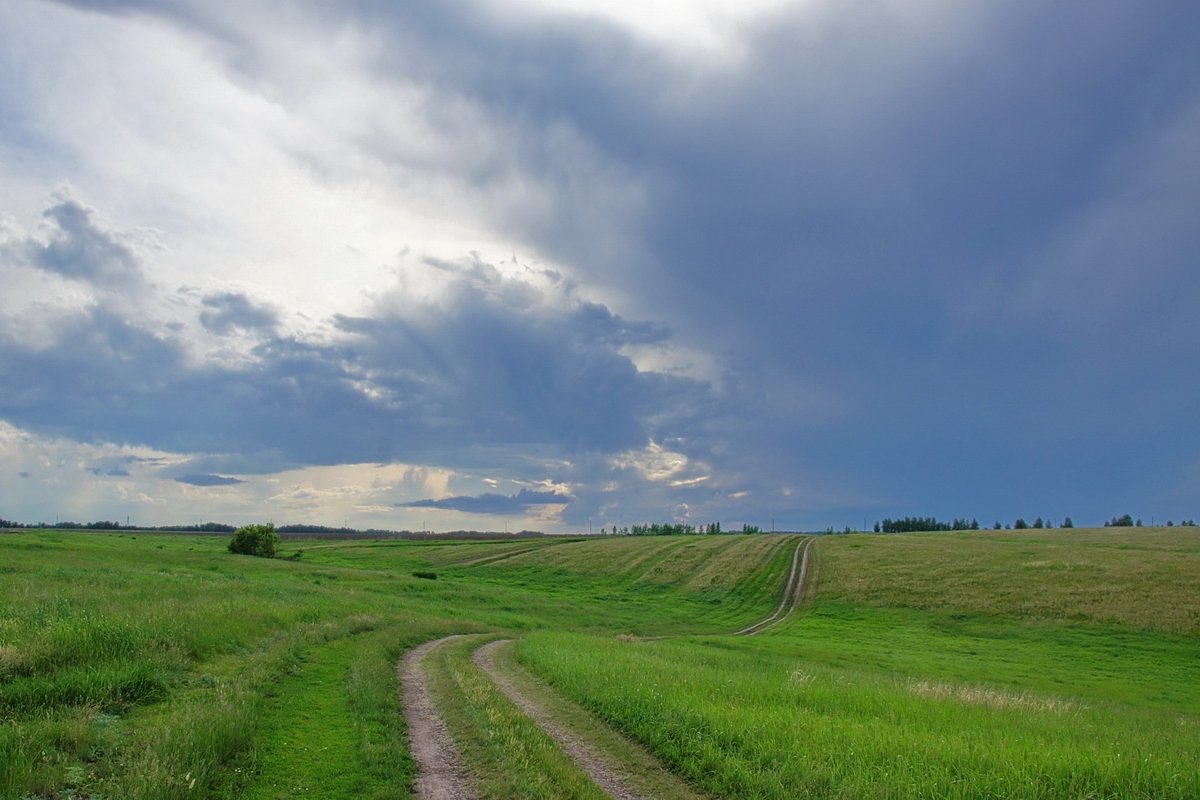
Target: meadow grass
932, 666
1128, 577
1042, 663
333, 726
742, 718
142, 666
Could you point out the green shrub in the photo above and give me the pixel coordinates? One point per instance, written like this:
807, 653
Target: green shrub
429, 576
255, 540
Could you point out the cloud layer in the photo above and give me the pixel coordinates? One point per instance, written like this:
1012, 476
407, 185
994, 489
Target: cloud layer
804, 262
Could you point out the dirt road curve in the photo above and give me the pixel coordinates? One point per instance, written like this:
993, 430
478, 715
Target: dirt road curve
440, 773
606, 776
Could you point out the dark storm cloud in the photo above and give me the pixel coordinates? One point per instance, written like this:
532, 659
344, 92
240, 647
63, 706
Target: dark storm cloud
499, 504
112, 472
75, 244
496, 367
228, 310
122, 466
202, 479
943, 252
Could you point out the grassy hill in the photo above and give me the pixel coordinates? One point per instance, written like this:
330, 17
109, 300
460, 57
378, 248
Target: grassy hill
1039, 663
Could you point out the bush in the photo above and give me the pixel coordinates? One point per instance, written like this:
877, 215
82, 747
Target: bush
255, 540
429, 576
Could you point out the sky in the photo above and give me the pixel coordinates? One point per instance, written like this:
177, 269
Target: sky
569, 264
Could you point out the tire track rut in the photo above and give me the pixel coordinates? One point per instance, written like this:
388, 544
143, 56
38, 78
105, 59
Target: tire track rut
596, 765
440, 771
793, 591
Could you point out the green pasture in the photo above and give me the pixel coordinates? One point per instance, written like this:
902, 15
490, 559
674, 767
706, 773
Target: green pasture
992, 664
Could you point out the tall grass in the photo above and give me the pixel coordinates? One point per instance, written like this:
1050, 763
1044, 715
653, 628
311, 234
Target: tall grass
160, 666
139, 668
932, 666
743, 721
1130, 577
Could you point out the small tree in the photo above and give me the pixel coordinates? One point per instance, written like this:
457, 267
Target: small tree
1067, 523
255, 540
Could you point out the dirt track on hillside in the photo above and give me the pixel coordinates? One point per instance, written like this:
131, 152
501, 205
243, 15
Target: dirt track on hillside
792, 592
440, 773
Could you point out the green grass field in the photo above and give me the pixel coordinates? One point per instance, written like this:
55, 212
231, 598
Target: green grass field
991, 664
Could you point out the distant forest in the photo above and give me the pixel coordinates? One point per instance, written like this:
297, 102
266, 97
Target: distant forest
915, 524
886, 525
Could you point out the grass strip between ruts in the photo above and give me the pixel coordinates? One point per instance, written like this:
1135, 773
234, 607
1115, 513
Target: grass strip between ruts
640, 769
508, 755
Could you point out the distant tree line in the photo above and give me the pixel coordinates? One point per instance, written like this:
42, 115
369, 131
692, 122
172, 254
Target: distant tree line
1126, 521
1021, 524
109, 525
912, 524
204, 527
886, 525
916, 524
294, 531
676, 529
314, 529
664, 529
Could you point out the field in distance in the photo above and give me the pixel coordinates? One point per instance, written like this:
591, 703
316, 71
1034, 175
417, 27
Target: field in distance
1002, 663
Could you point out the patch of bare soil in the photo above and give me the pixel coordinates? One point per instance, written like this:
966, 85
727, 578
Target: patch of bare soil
440, 773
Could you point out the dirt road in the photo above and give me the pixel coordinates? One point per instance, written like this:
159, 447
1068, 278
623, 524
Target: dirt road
440, 773
606, 775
